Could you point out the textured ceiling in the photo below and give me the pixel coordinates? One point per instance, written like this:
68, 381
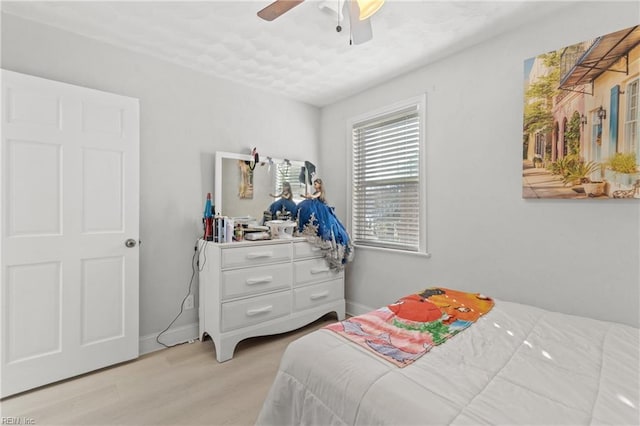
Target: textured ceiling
299, 55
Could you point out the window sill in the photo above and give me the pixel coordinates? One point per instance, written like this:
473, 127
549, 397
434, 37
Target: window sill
390, 250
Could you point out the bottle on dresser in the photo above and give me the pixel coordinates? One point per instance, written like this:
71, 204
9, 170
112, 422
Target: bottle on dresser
207, 219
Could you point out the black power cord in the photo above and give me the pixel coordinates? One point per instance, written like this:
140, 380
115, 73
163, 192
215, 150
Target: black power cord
195, 267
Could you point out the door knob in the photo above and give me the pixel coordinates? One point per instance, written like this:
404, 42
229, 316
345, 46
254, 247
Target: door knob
130, 243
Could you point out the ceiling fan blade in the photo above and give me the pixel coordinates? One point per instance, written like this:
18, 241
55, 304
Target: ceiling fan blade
277, 8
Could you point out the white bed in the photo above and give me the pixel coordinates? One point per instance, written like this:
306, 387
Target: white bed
516, 365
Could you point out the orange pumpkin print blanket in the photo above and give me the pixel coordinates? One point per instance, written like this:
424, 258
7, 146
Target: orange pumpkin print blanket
405, 330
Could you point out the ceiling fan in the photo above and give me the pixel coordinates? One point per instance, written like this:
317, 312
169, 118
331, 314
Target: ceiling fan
359, 13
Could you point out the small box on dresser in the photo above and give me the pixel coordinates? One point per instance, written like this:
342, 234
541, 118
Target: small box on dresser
258, 288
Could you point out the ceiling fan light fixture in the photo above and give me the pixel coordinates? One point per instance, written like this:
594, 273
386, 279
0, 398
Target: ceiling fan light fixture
368, 7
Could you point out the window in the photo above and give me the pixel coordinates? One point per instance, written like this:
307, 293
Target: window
288, 172
632, 119
387, 195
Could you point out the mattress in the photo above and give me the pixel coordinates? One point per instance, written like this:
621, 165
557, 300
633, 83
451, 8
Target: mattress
516, 365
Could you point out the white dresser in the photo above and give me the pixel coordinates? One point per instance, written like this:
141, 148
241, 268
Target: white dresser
257, 288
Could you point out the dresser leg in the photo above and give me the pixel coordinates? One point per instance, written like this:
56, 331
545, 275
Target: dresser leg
340, 312
225, 349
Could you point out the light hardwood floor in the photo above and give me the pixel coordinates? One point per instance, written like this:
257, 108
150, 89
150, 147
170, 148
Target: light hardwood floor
183, 385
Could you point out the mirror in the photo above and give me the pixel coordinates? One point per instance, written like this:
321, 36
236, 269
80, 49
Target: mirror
241, 192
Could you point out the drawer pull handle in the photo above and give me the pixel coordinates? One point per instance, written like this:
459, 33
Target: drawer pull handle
263, 280
319, 270
259, 255
253, 312
319, 295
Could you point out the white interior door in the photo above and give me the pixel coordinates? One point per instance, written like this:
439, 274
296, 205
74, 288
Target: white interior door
70, 201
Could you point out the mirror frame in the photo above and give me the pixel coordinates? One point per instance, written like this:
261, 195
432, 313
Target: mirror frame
219, 157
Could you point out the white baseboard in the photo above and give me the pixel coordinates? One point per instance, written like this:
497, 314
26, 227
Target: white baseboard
354, 309
173, 336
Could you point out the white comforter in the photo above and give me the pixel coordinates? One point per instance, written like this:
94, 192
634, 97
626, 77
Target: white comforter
516, 365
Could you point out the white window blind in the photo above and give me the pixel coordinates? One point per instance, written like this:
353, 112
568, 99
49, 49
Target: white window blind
289, 173
386, 180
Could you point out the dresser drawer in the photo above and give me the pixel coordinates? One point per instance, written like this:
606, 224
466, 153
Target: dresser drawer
317, 294
304, 249
312, 270
245, 312
260, 279
249, 255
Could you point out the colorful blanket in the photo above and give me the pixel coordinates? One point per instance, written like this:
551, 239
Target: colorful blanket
407, 329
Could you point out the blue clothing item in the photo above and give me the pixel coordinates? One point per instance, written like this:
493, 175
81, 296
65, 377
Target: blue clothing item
319, 223
283, 204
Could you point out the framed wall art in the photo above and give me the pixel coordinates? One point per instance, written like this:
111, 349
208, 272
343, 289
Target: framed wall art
581, 127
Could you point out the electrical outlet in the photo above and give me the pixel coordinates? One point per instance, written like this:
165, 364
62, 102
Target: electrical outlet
188, 302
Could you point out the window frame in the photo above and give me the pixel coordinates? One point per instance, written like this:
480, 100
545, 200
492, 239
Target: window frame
630, 121
420, 102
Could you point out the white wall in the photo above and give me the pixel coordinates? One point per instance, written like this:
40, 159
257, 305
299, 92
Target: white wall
579, 257
185, 117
